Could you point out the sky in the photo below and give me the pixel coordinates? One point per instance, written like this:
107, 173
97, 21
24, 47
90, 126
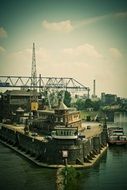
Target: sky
82, 39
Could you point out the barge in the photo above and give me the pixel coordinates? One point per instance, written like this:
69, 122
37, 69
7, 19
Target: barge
116, 136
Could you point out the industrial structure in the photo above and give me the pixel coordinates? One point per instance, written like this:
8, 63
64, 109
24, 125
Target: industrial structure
49, 138
31, 89
108, 99
59, 83
42, 83
94, 89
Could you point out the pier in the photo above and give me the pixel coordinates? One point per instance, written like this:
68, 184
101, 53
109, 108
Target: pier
38, 148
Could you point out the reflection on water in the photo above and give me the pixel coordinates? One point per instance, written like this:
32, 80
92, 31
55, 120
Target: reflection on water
120, 117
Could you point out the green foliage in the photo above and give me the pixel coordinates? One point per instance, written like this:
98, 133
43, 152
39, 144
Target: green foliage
71, 176
67, 98
82, 104
96, 105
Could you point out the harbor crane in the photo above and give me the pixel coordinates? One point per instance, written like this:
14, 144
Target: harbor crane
41, 83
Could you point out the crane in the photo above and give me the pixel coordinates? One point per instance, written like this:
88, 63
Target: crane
34, 97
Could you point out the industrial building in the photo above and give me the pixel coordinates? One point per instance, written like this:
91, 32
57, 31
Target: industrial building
108, 98
12, 100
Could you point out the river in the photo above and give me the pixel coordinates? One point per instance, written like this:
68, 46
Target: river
110, 172
17, 173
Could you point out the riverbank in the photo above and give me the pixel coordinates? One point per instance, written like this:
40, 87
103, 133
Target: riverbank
60, 178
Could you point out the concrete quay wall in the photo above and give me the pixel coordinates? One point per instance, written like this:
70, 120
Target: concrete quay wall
51, 151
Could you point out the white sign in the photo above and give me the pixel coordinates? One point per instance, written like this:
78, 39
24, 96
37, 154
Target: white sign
64, 153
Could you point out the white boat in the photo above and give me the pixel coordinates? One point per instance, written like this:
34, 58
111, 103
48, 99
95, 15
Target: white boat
116, 136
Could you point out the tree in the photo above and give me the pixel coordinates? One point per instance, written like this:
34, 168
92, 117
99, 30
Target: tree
80, 104
96, 105
67, 98
88, 103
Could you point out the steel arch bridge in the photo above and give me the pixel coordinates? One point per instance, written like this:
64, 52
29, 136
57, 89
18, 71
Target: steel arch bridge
43, 83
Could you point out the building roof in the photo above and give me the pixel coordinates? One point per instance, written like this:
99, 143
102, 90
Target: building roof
19, 92
62, 106
20, 109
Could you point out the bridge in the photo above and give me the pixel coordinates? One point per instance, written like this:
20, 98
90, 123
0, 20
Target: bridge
43, 83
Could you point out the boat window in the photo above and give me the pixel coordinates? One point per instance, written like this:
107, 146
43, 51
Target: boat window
65, 133
61, 132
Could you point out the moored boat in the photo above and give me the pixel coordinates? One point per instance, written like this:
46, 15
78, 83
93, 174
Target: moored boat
116, 136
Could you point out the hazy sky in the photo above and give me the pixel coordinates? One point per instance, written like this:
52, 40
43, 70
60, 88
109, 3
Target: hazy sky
83, 39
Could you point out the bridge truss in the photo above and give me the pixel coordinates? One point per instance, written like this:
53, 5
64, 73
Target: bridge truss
43, 83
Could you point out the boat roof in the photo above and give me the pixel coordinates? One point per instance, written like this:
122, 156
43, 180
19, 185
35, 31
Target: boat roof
66, 128
46, 111
115, 128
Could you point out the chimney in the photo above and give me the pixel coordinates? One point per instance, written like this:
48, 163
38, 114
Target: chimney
94, 88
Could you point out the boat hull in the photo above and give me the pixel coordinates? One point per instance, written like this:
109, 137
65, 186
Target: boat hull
117, 142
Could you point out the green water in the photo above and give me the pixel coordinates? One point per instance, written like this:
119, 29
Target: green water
109, 173
16, 173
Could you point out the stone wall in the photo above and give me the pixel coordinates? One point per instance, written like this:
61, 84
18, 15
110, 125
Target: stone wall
51, 151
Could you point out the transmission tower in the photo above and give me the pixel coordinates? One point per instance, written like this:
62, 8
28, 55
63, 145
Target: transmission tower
34, 99
33, 70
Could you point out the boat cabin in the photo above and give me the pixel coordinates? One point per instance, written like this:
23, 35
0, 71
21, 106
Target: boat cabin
65, 133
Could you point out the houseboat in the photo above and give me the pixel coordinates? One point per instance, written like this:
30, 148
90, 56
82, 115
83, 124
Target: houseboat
116, 136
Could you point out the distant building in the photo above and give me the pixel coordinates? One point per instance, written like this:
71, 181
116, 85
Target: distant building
60, 117
108, 98
11, 100
123, 100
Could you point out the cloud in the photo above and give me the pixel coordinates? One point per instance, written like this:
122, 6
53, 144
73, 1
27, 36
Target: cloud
26, 54
91, 20
87, 50
121, 15
115, 53
95, 19
42, 55
2, 50
23, 59
67, 26
63, 26
3, 32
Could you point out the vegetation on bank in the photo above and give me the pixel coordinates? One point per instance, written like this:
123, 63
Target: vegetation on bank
86, 104
71, 176
88, 115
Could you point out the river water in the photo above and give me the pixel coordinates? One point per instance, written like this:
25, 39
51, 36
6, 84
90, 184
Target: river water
16, 173
110, 172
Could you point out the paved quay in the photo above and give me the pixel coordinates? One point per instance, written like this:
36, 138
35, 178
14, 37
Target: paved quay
91, 129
